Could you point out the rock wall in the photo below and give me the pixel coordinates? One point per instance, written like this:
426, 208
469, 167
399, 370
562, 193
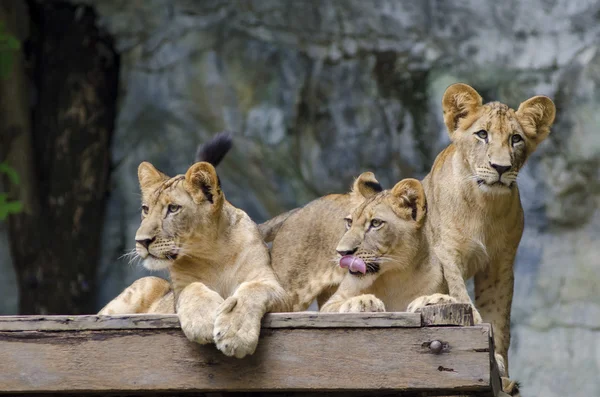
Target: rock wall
318, 91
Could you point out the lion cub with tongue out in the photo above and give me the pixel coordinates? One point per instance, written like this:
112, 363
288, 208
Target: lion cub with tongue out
385, 235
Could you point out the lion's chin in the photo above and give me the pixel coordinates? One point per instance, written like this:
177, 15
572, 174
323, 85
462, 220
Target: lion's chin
152, 263
494, 187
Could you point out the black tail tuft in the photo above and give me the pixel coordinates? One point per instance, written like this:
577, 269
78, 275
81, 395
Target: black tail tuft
215, 150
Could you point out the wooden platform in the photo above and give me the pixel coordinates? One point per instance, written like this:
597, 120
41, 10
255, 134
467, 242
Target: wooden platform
304, 353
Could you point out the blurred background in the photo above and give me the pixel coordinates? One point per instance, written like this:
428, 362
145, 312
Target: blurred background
315, 92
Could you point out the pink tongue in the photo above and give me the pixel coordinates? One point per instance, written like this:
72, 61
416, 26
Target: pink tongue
353, 264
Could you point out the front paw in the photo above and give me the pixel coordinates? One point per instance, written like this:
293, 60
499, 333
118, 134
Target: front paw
362, 303
237, 328
510, 387
429, 300
438, 299
197, 328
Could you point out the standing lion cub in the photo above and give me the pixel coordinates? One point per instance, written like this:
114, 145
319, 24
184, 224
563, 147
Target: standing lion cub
475, 212
219, 265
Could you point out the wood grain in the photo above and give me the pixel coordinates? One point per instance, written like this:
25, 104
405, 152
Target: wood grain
448, 314
170, 321
302, 360
342, 320
88, 322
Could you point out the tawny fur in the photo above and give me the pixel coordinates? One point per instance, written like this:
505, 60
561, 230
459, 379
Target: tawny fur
475, 214
387, 233
219, 265
303, 252
146, 295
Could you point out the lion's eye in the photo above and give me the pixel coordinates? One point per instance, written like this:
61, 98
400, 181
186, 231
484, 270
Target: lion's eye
375, 223
516, 139
348, 223
482, 134
145, 209
173, 208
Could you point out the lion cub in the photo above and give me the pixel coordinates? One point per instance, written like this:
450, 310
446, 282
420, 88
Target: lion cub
219, 265
386, 253
475, 214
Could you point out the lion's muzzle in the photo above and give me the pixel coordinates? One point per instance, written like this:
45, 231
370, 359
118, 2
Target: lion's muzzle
353, 264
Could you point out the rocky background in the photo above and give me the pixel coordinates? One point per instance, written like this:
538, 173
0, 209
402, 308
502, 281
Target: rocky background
318, 91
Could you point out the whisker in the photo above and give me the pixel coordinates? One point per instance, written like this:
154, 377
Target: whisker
129, 253
134, 262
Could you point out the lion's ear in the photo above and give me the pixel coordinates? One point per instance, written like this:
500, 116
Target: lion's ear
411, 199
202, 182
536, 116
366, 185
460, 105
149, 175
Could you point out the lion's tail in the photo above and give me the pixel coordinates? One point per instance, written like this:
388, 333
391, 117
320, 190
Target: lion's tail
215, 150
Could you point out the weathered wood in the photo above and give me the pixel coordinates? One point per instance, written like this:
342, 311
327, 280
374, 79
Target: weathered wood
305, 360
305, 352
342, 320
154, 321
454, 314
449, 314
88, 323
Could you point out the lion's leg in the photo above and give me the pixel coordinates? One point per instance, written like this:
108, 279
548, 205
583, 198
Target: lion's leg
493, 296
457, 288
141, 297
349, 297
197, 307
325, 295
165, 305
303, 289
237, 325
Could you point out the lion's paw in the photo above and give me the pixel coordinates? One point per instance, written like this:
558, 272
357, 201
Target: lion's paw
429, 300
438, 299
362, 303
197, 328
236, 329
510, 387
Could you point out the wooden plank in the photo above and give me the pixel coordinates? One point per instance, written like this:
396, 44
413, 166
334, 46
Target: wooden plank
342, 320
88, 322
302, 360
170, 321
448, 314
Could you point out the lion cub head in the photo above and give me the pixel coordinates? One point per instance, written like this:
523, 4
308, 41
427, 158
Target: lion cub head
494, 140
174, 210
386, 229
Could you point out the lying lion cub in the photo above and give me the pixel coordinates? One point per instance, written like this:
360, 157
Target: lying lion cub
219, 266
386, 252
303, 252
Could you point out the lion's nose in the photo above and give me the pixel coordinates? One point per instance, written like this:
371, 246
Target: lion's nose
343, 252
500, 168
146, 241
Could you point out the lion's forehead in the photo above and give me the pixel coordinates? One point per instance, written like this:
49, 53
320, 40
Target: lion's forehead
498, 118
170, 191
371, 207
